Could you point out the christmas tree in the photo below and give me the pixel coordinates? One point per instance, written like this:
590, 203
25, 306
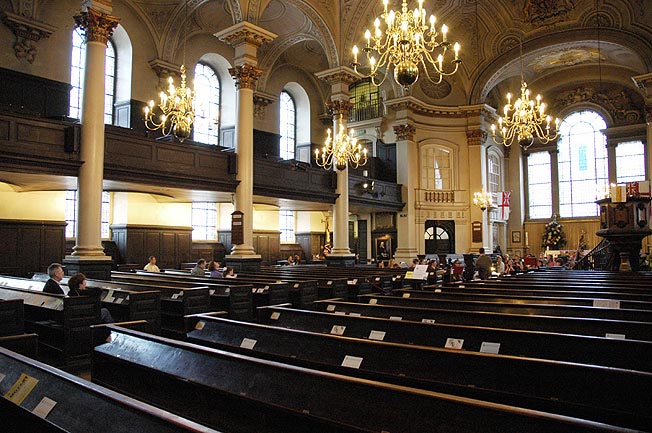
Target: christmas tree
554, 237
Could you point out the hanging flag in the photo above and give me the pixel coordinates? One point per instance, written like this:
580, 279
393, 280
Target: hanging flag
504, 203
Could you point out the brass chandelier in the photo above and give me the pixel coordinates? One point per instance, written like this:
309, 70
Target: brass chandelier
482, 199
341, 150
524, 120
177, 107
407, 42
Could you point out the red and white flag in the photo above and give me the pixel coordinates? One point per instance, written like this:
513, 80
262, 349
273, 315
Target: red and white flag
504, 203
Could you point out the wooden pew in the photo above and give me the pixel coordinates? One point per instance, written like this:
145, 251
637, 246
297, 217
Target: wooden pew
12, 328
541, 309
608, 352
61, 323
76, 405
601, 394
238, 393
567, 325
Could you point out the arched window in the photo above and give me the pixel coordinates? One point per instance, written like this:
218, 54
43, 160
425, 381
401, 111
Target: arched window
287, 125
77, 67
630, 161
539, 185
495, 182
582, 163
437, 168
207, 103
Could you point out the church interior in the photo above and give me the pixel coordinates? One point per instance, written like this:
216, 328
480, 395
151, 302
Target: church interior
521, 128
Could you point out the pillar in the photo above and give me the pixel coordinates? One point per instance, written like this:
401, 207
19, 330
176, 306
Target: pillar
340, 79
88, 254
476, 141
246, 39
407, 171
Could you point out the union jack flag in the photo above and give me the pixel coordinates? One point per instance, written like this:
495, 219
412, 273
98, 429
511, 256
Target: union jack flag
504, 203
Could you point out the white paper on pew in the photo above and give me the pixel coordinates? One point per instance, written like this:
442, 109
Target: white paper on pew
340, 313
296, 285
395, 318
211, 291
428, 321
406, 295
454, 343
437, 290
606, 303
119, 300
377, 335
355, 314
328, 283
352, 361
109, 296
248, 343
44, 407
200, 325
488, 347
275, 315
338, 329
127, 298
462, 286
175, 295
2, 377
266, 287
615, 336
373, 301
330, 307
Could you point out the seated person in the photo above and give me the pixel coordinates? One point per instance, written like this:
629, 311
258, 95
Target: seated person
198, 270
55, 271
228, 272
77, 285
214, 269
151, 266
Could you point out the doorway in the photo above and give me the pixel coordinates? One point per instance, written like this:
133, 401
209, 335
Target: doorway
440, 236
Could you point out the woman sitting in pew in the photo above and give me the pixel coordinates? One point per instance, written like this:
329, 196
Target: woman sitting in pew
77, 286
229, 272
214, 269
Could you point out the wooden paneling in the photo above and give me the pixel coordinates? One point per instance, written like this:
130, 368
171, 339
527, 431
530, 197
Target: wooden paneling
170, 245
572, 229
35, 96
30, 246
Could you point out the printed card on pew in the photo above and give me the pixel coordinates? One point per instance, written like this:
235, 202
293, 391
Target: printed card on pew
21, 389
2, 377
373, 301
616, 336
431, 321
44, 407
377, 335
406, 295
395, 318
200, 325
338, 329
606, 303
330, 308
352, 361
488, 347
355, 314
454, 343
248, 343
275, 315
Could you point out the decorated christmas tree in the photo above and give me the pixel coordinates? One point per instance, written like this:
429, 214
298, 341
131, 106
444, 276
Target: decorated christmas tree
554, 237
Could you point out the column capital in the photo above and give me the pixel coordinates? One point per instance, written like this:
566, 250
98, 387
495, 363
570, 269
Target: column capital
341, 74
335, 108
246, 76
246, 38
644, 82
97, 26
28, 31
405, 132
476, 137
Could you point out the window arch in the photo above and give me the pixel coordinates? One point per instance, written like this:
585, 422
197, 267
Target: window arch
77, 67
495, 173
582, 163
207, 100
287, 125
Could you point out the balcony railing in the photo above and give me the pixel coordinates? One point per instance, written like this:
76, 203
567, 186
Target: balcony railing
366, 111
436, 196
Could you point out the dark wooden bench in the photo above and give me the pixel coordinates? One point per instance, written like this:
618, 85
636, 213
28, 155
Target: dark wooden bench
12, 328
62, 324
238, 393
608, 352
533, 308
601, 394
566, 325
78, 405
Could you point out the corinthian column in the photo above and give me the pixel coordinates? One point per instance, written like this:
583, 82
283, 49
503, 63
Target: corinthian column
88, 253
246, 39
407, 163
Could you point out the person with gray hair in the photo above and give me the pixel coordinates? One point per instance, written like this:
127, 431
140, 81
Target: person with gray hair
55, 271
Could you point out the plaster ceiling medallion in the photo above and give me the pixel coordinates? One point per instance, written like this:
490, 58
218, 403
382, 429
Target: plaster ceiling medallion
435, 91
566, 57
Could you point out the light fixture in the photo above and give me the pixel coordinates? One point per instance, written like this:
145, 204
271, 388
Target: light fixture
341, 150
482, 199
177, 105
407, 42
525, 119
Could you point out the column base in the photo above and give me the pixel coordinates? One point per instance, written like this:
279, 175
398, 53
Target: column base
88, 250
96, 267
244, 251
405, 255
243, 264
340, 260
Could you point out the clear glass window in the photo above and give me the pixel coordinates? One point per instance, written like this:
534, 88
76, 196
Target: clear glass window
287, 125
204, 221
207, 105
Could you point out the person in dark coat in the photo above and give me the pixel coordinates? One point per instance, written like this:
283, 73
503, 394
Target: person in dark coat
55, 271
483, 265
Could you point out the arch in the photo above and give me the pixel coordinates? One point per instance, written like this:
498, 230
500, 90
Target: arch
227, 88
124, 57
303, 121
438, 169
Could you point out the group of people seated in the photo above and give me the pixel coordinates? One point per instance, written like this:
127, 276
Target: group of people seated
76, 287
214, 268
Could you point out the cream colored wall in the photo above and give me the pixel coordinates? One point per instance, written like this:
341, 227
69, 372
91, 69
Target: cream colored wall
38, 205
307, 222
266, 220
224, 211
137, 208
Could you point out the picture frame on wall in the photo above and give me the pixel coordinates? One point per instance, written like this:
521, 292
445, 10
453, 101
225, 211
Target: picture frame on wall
516, 236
